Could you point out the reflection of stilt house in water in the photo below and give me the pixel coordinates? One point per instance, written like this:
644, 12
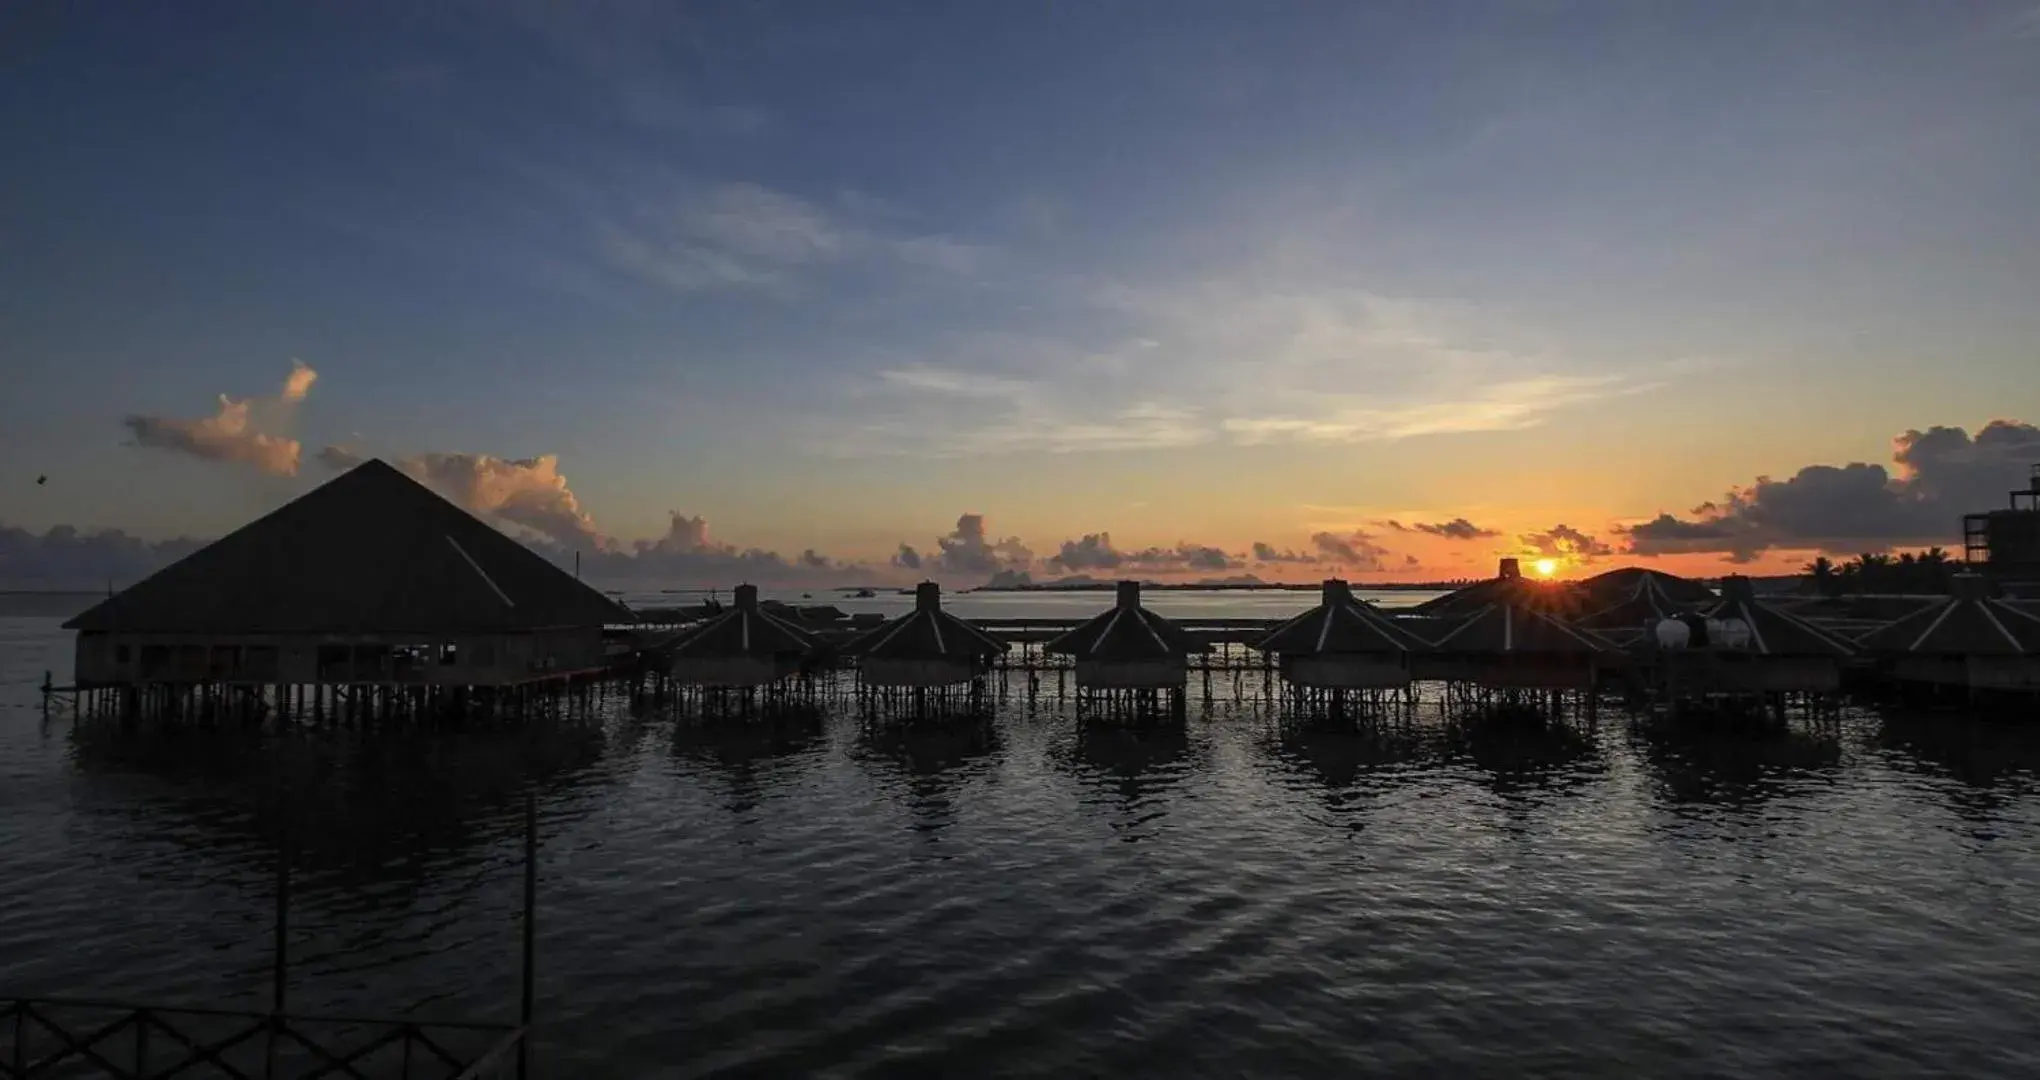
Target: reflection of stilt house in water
1342, 644
1128, 648
744, 647
369, 580
1772, 651
925, 649
1969, 640
1510, 645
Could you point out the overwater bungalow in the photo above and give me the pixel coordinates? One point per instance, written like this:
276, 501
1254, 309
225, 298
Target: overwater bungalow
927, 647
1649, 599
1511, 645
1970, 639
1762, 648
1128, 648
744, 647
1614, 586
1342, 644
1507, 586
370, 580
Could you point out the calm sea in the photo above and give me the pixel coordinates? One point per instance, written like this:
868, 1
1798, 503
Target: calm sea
1036, 897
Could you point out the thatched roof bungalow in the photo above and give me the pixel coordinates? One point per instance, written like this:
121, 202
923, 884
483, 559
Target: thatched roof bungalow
745, 646
1512, 645
1970, 639
370, 578
1342, 644
1128, 647
926, 647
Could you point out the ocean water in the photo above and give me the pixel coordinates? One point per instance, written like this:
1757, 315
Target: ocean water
1037, 896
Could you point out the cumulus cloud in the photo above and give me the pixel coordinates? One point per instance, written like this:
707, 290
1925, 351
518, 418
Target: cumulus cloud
906, 558
298, 383
1354, 550
65, 557
1937, 475
687, 554
969, 549
1267, 553
527, 492
1565, 542
235, 431
1095, 551
1456, 529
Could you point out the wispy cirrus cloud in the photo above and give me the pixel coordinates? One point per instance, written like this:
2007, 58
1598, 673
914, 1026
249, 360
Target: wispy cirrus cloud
1217, 363
687, 235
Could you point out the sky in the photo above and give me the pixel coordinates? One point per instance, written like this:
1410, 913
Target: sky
1195, 289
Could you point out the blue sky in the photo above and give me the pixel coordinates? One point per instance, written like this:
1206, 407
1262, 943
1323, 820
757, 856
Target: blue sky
830, 275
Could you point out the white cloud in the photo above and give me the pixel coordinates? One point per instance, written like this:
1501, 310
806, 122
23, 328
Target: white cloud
1233, 363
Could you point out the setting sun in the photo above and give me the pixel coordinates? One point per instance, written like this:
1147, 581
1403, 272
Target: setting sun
1545, 567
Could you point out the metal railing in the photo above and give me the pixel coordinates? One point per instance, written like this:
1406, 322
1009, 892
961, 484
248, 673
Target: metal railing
62, 1037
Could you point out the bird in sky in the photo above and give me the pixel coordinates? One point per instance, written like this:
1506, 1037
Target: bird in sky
41, 480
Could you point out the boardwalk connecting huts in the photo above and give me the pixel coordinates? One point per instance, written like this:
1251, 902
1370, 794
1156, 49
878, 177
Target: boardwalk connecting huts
927, 650
368, 597
1342, 645
1969, 640
1128, 657
744, 648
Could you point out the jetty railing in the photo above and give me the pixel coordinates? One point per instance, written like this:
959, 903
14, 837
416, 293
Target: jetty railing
51, 1037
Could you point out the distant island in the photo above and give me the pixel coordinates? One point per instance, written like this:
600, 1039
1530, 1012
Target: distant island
1008, 581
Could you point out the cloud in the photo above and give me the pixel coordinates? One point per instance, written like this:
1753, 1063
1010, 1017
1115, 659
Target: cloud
299, 382
1565, 542
969, 550
1456, 529
1267, 553
907, 558
65, 557
1937, 475
687, 236
526, 492
687, 554
1355, 550
1249, 362
1095, 551
234, 433
339, 458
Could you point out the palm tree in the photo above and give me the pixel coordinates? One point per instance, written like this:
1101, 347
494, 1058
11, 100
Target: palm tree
1822, 571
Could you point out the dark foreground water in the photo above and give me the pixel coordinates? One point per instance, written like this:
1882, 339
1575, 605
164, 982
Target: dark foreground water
1041, 898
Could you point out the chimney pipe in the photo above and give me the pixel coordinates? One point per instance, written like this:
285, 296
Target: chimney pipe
1737, 587
927, 596
1337, 590
1509, 569
1129, 594
747, 596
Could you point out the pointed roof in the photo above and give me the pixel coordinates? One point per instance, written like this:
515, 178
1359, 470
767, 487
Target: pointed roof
1126, 632
1969, 623
1615, 586
1773, 630
746, 629
1507, 586
1516, 629
925, 633
1341, 624
370, 551
1647, 600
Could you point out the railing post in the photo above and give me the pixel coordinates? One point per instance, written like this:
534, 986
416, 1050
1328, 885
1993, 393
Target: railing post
524, 1008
